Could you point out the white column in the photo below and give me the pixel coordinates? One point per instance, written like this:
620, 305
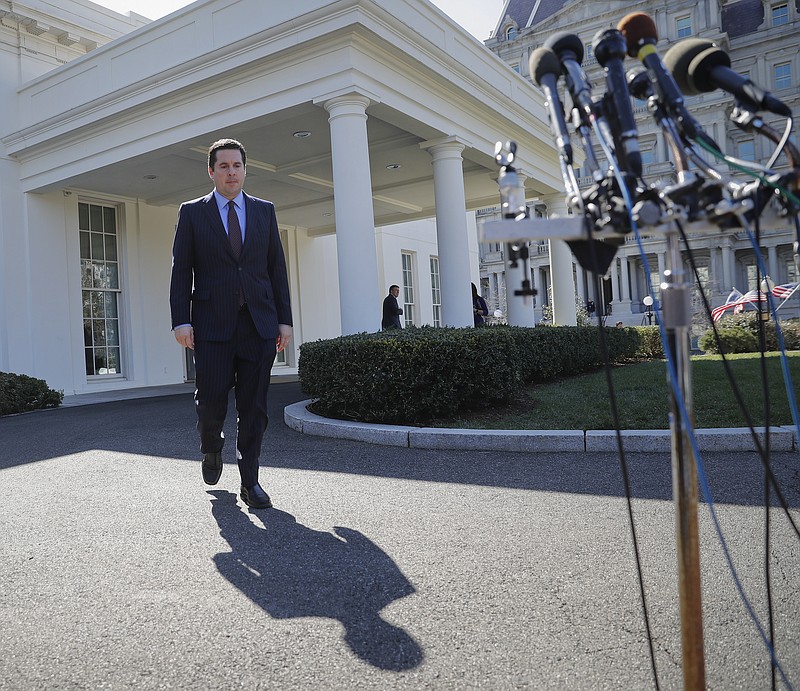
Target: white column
615, 282
772, 262
355, 223
561, 269
727, 269
451, 230
520, 308
625, 279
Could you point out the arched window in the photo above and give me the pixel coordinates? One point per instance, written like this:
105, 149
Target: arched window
511, 33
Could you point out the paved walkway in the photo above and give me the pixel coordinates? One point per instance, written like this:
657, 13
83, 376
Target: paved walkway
381, 567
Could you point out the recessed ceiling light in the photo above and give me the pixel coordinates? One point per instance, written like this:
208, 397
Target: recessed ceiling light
327, 213
150, 177
393, 166
302, 134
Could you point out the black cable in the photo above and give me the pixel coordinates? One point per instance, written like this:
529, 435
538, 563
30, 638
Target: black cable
623, 465
762, 342
735, 389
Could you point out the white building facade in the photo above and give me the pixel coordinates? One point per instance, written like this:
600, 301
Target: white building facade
356, 118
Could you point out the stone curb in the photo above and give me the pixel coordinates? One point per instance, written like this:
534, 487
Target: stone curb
298, 418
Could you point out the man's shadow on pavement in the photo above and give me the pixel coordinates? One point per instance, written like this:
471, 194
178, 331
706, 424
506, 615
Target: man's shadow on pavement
290, 571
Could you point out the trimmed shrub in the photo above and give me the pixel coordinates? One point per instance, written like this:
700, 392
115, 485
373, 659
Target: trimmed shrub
415, 374
20, 393
749, 322
650, 345
734, 339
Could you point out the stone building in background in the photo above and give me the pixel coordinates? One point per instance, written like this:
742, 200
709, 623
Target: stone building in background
761, 39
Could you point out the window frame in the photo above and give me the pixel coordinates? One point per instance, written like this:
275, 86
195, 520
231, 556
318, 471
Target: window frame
778, 79
104, 269
680, 31
784, 15
409, 302
436, 290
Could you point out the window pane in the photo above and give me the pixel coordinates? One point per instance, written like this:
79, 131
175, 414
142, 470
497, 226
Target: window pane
113, 361
89, 361
112, 275
87, 330
112, 334
684, 26
99, 332
111, 247
83, 216
97, 246
783, 76
96, 218
100, 361
111, 306
747, 150
109, 220
85, 246
780, 15
86, 274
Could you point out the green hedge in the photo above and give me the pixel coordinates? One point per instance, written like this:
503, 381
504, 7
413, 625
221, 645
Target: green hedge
20, 393
731, 327
416, 374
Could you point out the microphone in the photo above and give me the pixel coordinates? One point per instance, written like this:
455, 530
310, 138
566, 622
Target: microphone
569, 49
641, 35
545, 68
639, 84
701, 66
609, 49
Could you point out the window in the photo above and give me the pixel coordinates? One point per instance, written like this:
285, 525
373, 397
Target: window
436, 292
100, 289
746, 150
791, 271
648, 152
408, 288
780, 15
683, 26
783, 75
511, 33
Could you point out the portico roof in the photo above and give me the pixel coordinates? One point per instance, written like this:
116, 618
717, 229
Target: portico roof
134, 118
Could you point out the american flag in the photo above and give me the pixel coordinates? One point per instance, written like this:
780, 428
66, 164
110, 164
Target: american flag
736, 301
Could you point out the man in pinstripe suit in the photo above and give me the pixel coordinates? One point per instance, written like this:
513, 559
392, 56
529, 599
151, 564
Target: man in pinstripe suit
229, 297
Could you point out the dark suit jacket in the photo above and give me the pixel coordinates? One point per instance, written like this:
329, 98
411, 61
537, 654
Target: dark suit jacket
204, 290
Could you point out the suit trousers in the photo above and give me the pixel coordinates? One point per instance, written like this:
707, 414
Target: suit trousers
244, 363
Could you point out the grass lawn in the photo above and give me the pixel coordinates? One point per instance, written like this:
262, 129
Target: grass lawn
582, 402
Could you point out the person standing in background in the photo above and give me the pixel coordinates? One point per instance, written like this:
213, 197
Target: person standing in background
391, 310
479, 307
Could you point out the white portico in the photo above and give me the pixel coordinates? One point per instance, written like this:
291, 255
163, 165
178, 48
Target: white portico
356, 115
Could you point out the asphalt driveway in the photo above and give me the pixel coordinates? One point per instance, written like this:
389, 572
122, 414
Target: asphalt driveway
380, 567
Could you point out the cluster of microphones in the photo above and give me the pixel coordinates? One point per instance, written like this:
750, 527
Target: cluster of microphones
618, 195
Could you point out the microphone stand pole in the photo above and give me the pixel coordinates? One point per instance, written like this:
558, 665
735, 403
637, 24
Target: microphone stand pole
675, 297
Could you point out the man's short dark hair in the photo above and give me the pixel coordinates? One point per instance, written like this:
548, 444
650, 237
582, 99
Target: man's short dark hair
224, 144
392, 287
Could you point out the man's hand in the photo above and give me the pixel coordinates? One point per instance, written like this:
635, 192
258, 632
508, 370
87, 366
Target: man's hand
185, 336
284, 336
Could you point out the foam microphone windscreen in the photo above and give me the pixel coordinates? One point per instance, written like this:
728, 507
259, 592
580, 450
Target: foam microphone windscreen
564, 40
543, 61
694, 65
636, 28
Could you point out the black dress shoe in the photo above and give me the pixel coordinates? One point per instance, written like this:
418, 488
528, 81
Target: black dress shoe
255, 497
212, 467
